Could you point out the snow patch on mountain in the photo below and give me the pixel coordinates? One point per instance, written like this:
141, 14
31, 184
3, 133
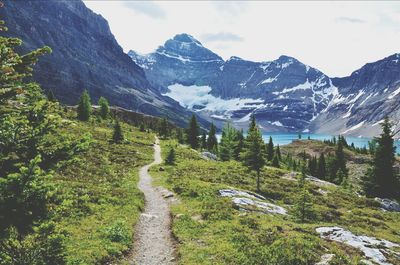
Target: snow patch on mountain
198, 98
394, 93
355, 127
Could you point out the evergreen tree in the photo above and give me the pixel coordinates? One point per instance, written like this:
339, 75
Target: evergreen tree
203, 141
193, 133
239, 146
253, 155
340, 161
179, 136
381, 180
253, 124
321, 171
30, 145
303, 207
84, 106
278, 153
118, 136
228, 143
312, 166
212, 142
270, 149
170, 160
104, 107
275, 161
163, 129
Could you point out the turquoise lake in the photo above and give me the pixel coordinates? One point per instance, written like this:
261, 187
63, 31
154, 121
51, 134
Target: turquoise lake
287, 138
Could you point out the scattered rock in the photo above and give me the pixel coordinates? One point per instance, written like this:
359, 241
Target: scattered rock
236, 193
322, 192
250, 201
209, 156
179, 215
372, 248
325, 259
319, 182
168, 194
389, 205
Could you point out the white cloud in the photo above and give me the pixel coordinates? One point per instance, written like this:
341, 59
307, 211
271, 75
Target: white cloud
308, 31
148, 8
220, 37
349, 19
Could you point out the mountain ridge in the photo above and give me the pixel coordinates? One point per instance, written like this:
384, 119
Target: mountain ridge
295, 97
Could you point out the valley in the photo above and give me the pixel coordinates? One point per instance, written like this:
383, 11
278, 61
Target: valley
180, 156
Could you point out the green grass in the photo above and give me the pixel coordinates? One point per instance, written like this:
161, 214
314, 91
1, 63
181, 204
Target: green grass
98, 202
210, 230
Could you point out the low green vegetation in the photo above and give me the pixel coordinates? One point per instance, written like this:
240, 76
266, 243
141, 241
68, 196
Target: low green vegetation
97, 201
211, 229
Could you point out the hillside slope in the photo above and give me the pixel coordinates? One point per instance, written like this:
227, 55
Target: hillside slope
222, 219
85, 56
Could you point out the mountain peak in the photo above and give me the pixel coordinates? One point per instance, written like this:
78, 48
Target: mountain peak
184, 37
186, 47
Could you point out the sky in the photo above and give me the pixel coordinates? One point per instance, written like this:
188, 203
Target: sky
334, 37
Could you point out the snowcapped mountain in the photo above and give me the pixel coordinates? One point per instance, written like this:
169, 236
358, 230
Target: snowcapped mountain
366, 97
284, 95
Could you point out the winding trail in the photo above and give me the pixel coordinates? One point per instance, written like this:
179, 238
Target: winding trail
153, 242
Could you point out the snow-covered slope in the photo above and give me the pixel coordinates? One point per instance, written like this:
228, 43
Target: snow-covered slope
284, 94
366, 97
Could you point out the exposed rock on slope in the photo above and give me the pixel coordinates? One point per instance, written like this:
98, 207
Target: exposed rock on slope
284, 95
85, 55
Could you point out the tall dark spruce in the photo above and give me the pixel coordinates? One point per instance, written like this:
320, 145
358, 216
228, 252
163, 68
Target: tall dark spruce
253, 151
382, 180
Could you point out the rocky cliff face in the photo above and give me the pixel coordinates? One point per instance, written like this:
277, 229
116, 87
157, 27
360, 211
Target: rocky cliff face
85, 56
366, 97
284, 95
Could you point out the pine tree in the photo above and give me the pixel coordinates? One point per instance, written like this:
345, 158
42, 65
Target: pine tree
203, 141
303, 207
270, 149
321, 171
340, 161
228, 143
84, 106
275, 161
170, 160
278, 153
312, 166
193, 133
118, 136
239, 146
381, 180
179, 136
212, 142
104, 107
29, 129
253, 154
163, 128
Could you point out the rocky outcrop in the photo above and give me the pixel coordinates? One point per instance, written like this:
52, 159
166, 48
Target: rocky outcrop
249, 201
85, 56
389, 205
374, 249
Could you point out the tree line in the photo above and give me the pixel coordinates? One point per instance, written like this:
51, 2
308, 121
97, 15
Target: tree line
381, 179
